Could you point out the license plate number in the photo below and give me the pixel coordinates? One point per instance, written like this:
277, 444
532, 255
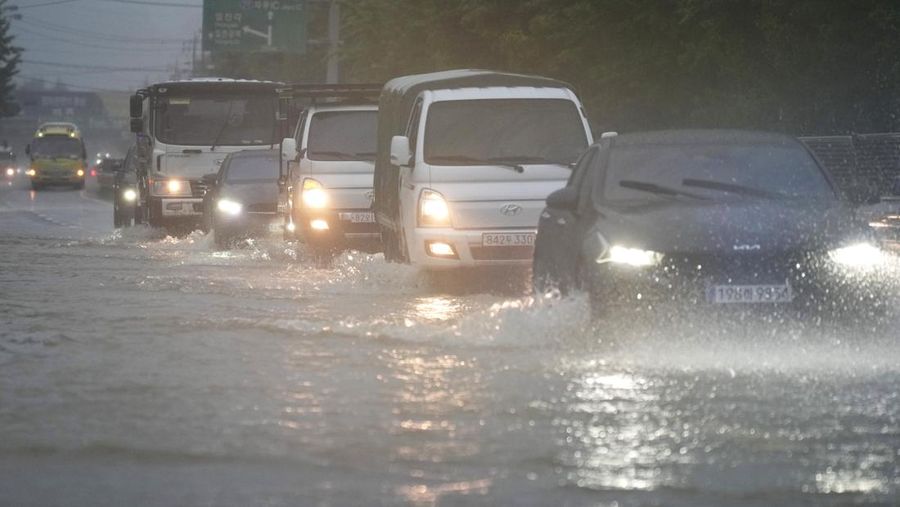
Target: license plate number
507, 239
358, 217
736, 294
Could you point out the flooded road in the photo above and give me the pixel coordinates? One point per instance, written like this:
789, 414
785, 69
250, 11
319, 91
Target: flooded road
139, 369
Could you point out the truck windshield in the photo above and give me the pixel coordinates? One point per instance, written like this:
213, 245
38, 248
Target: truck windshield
227, 120
56, 147
343, 135
478, 132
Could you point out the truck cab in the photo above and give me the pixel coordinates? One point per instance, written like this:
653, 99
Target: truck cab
185, 129
465, 161
329, 162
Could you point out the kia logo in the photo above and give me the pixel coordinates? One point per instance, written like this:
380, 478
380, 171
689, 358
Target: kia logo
746, 248
510, 210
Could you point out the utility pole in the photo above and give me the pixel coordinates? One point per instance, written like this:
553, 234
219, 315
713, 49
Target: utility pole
332, 74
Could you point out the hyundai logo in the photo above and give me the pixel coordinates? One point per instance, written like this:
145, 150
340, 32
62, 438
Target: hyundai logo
746, 248
510, 210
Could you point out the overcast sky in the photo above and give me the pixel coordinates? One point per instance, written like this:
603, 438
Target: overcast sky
89, 44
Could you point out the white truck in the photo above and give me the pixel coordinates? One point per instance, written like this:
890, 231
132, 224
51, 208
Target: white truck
465, 161
184, 131
328, 165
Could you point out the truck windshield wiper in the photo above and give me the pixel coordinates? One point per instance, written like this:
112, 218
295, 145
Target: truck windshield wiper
223, 127
653, 188
732, 188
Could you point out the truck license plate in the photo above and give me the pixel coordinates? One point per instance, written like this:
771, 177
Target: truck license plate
507, 239
358, 217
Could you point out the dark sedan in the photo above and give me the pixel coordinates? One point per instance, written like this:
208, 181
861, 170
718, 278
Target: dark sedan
242, 201
707, 218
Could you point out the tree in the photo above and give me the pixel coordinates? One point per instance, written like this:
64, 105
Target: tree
10, 58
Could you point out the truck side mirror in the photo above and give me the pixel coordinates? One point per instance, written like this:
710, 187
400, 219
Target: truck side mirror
137, 125
136, 106
400, 152
289, 149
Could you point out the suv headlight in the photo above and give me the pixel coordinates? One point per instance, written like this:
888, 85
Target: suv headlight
173, 187
313, 194
433, 209
635, 257
859, 255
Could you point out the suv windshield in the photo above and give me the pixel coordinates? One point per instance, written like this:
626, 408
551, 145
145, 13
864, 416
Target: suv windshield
490, 131
216, 120
56, 147
343, 135
713, 171
252, 169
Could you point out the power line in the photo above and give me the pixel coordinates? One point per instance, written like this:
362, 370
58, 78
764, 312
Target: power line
96, 35
70, 85
46, 4
96, 46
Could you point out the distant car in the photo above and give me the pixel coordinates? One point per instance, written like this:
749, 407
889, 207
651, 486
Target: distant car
106, 172
242, 198
707, 218
8, 163
125, 191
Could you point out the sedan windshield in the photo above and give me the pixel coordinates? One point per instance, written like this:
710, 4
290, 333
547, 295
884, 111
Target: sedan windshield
216, 120
504, 131
343, 135
714, 171
252, 169
56, 147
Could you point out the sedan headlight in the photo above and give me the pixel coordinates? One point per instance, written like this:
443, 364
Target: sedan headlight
10, 171
31, 172
313, 194
433, 209
171, 187
859, 255
230, 207
635, 257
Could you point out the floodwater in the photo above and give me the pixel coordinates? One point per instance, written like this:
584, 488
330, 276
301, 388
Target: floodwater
139, 369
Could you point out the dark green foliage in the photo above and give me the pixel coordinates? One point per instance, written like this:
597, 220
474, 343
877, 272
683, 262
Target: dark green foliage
801, 66
10, 57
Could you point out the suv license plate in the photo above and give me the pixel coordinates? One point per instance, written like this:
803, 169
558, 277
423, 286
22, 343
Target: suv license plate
732, 294
359, 217
507, 239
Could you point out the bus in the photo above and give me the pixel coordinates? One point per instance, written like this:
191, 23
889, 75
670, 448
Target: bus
57, 156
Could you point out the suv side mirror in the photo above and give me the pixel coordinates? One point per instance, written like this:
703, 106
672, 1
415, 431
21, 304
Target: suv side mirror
400, 152
210, 179
563, 199
136, 106
289, 149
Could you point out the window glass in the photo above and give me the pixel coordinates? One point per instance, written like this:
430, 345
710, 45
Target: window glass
342, 135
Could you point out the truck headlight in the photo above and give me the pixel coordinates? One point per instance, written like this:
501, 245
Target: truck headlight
229, 207
129, 195
635, 257
31, 172
171, 187
433, 209
79, 173
859, 255
313, 194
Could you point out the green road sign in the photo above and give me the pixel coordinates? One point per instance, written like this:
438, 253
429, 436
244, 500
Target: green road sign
254, 25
